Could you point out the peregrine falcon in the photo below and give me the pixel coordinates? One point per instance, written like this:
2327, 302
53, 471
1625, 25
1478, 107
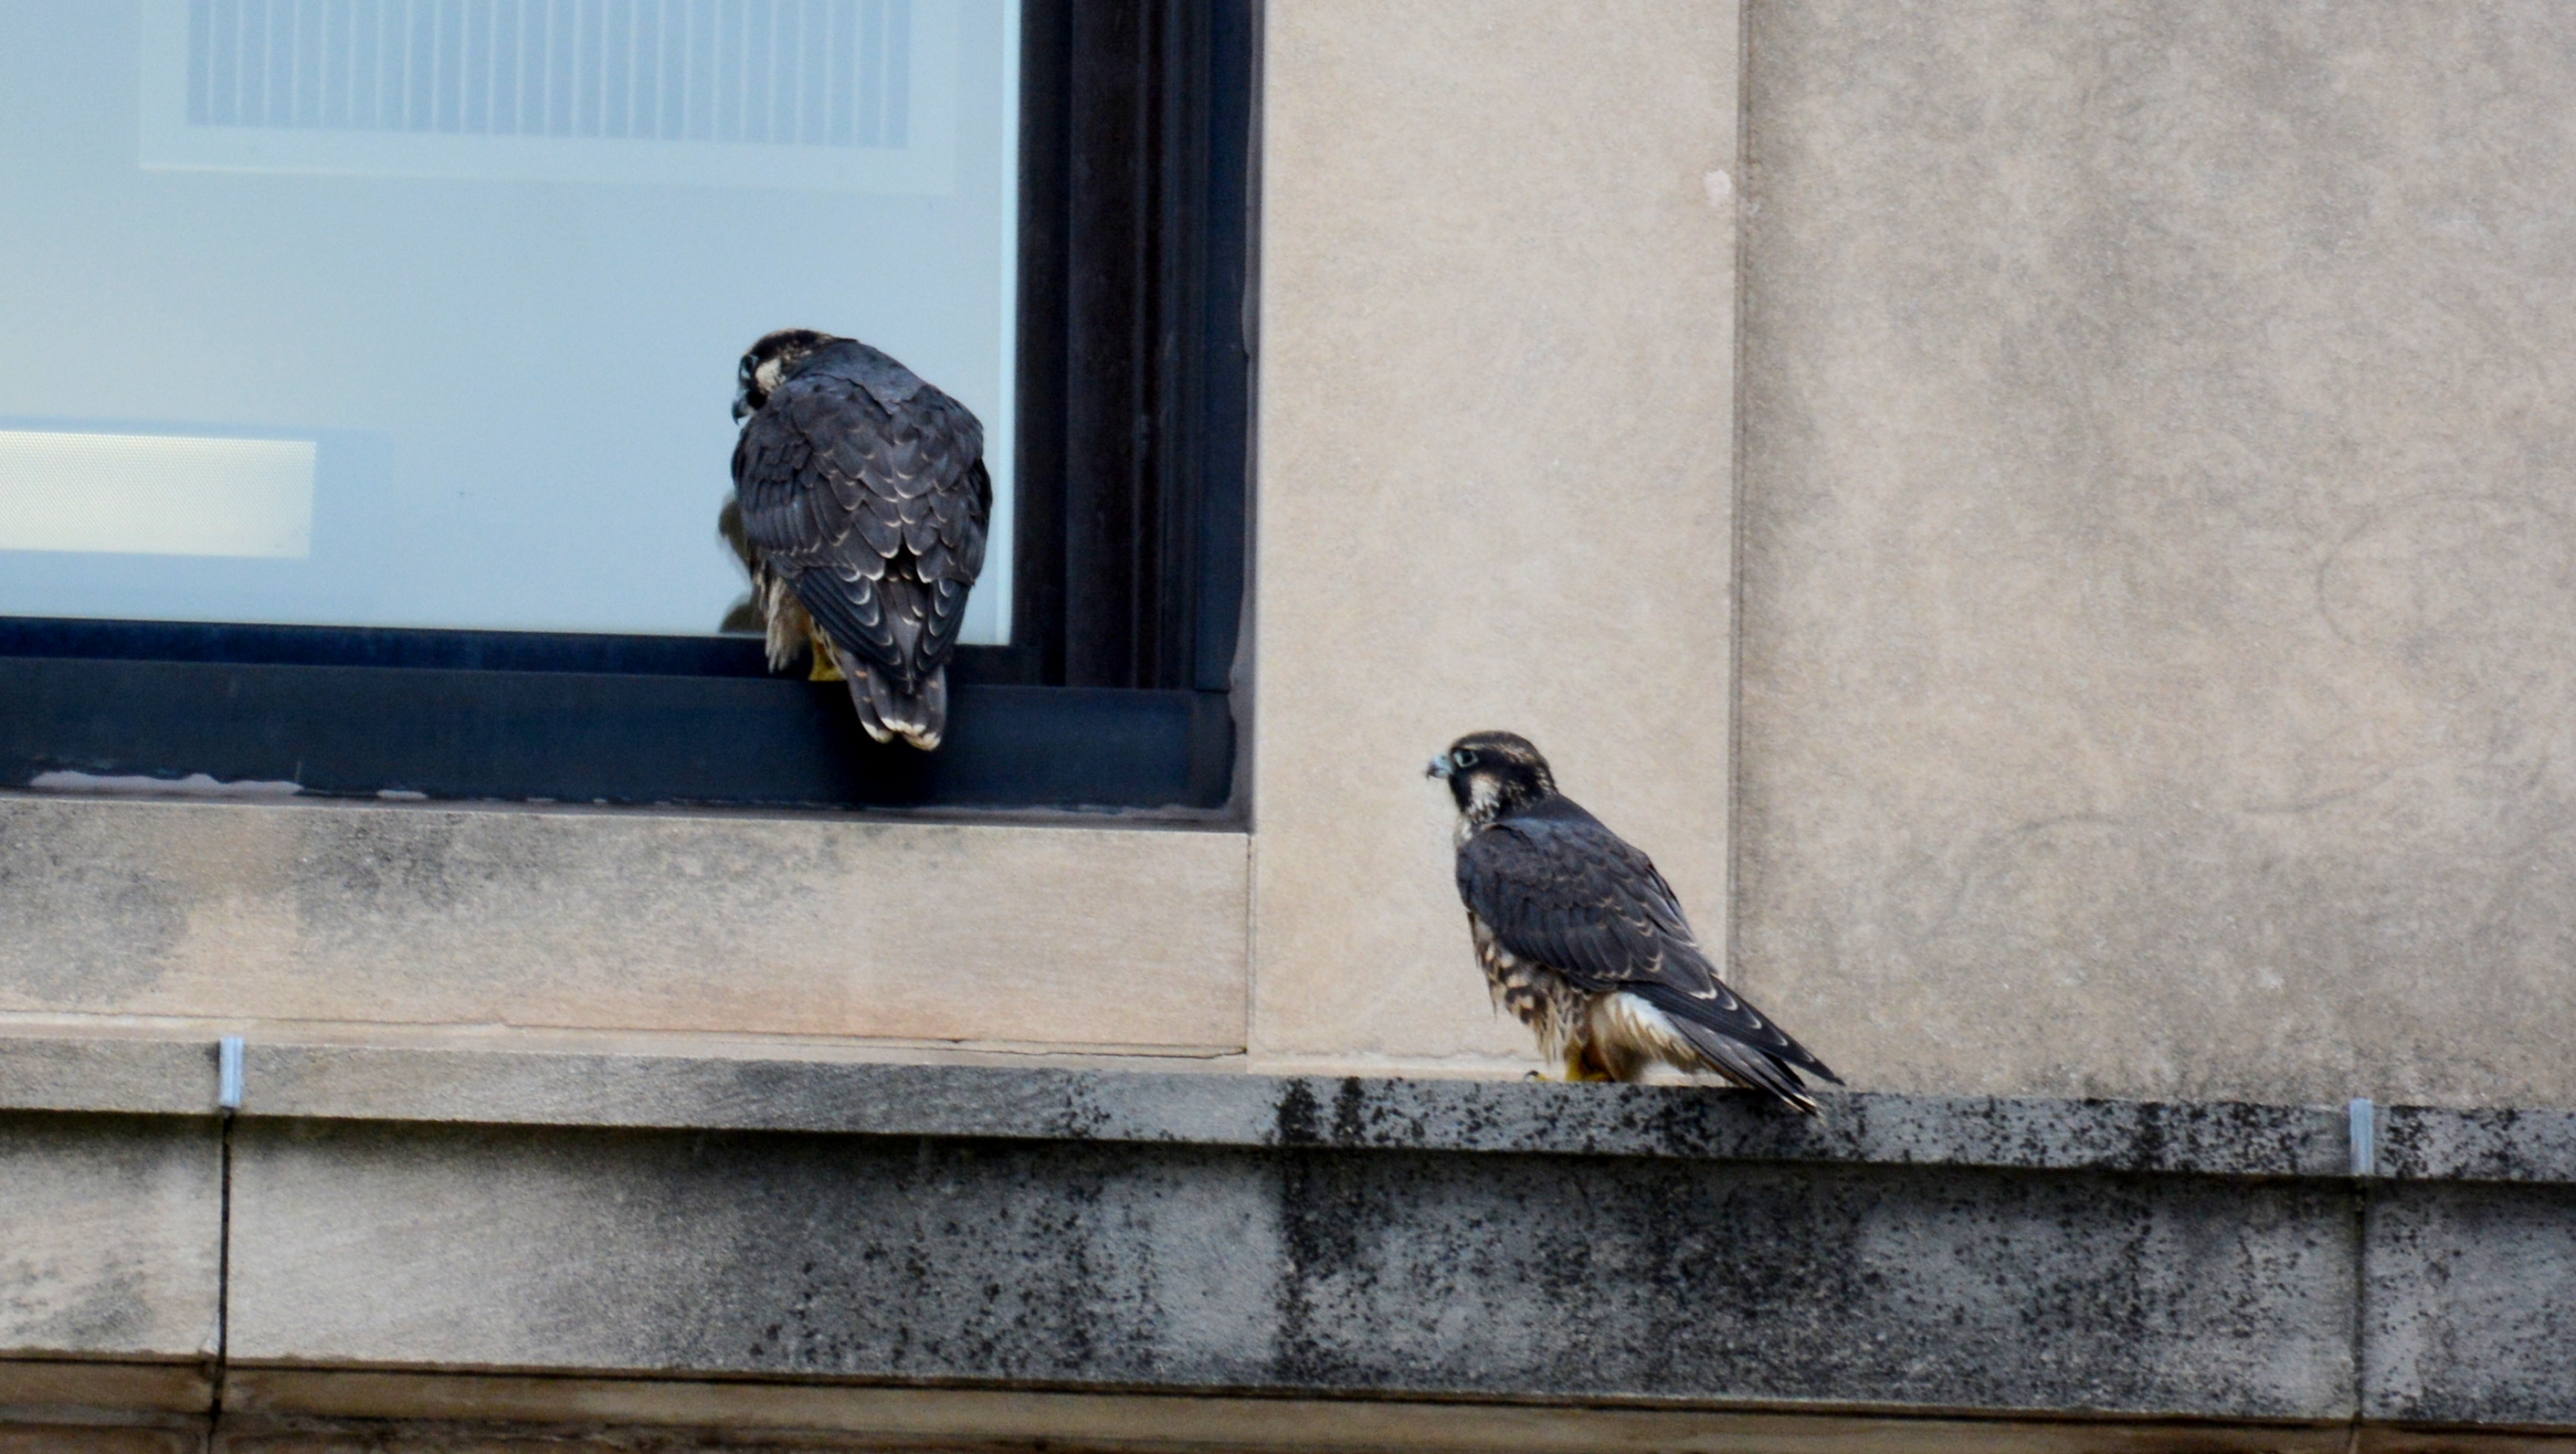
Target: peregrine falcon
862, 504
1583, 940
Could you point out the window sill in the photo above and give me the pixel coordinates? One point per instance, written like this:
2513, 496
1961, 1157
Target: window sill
420, 916
607, 737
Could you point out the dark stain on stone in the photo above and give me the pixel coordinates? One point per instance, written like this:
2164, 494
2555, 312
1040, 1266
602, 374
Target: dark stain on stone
134, 1187
379, 863
1306, 1266
1299, 1121
1350, 1105
1324, 1217
2498, 1144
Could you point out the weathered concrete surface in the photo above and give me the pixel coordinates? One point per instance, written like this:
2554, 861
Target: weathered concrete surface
409, 1225
110, 1233
2470, 1304
1693, 1123
111, 1228
1497, 299
2424, 1143
2159, 637
1308, 1271
667, 922
121, 1073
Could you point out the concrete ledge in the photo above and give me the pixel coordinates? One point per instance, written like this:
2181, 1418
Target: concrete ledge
2469, 1303
111, 1230
1230, 1108
2437, 1144
1196, 1108
1292, 1270
1227, 1108
643, 1224
133, 1076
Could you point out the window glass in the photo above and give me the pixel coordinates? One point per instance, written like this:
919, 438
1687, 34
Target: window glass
425, 312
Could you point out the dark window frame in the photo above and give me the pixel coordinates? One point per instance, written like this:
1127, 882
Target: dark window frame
1135, 375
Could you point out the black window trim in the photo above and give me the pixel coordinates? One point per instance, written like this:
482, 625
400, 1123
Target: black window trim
1137, 233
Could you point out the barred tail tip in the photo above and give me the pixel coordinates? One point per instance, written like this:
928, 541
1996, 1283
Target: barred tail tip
887, 713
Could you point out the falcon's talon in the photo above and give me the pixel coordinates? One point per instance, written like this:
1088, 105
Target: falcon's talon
1586, 943
1580, 1070
826, 667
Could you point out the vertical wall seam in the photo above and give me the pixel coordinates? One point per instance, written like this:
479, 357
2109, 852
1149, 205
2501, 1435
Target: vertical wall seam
2359, 1304
1251, 945
2361, 1137
223, 1274
1741, 194
1243, 677
1243, 684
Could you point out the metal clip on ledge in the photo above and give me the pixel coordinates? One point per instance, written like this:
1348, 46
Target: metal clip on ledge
2365, 1136
228, 1074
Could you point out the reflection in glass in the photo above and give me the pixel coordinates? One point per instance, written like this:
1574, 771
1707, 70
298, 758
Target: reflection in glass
145, 494
479, 270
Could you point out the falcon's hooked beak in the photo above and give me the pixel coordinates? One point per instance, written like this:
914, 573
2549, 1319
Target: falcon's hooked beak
1440, 766
741, 405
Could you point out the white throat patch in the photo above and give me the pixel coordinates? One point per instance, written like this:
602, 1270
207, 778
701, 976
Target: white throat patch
1482, 801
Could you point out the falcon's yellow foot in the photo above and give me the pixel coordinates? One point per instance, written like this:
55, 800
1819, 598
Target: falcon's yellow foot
1579, 1068
827, 667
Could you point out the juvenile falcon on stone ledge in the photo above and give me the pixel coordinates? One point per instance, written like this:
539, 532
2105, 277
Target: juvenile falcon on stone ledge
1583, 940
862, 501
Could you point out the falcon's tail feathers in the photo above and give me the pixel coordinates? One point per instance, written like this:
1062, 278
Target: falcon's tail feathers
1750, 1066
888, 713
1747, 1065
1774, 1045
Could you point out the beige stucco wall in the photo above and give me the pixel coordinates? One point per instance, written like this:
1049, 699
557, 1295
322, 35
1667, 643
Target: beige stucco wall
1495, 477
2157, 576
2160, 581
344, 920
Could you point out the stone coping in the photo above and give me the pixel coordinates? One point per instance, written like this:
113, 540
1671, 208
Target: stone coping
338, 1082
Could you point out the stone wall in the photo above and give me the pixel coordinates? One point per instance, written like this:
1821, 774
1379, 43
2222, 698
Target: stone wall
554, 1244
2159, 583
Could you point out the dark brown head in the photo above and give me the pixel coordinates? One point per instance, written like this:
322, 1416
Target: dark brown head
1493, 773
771, 362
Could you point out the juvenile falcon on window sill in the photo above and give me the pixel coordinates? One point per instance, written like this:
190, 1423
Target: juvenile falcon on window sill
861, 500
1583, 940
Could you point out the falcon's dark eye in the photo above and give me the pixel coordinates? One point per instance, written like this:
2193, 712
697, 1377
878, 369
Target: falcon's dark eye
1464, 757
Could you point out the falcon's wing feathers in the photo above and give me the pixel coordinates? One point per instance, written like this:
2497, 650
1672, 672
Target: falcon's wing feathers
1560, 888
879, 512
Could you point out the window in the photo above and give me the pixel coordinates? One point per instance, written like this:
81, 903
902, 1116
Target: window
362, 403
